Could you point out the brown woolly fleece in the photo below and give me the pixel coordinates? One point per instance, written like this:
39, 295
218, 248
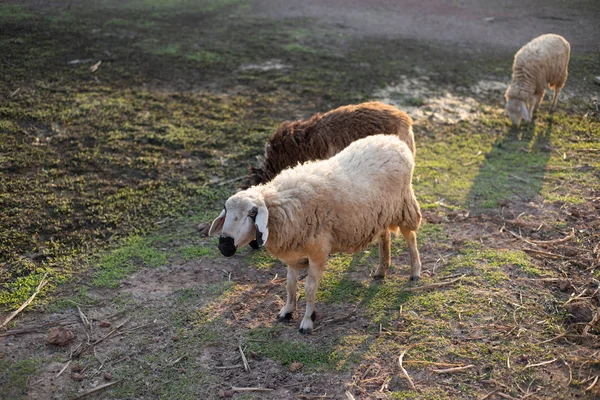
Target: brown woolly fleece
324, 135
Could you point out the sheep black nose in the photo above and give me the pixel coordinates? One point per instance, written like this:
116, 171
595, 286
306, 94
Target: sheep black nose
227, 246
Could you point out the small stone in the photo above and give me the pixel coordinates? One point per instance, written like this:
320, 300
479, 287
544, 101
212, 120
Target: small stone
204, 227
564, 285
60, 336
105, 324
580, 312
77, 377
175, 338
107, 376
433, 218
77, 367
503, 203
225, 393
307, 389
295, 366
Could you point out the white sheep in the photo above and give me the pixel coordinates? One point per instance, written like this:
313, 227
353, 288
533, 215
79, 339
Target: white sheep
543, 61
321, 207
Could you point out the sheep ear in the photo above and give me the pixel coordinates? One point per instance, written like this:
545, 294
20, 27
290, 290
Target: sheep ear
217, 225
524, 112
261, 223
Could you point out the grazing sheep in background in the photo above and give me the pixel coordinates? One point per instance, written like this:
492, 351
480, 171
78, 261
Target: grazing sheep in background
321, 207
324, 135
543, 61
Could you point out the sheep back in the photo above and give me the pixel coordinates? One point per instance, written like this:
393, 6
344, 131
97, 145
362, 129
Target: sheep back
543, 61
345, 201
324, 135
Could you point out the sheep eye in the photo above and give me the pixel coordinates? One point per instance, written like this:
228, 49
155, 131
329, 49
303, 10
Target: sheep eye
252, 213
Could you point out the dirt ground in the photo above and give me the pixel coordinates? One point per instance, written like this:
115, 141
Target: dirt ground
124, 126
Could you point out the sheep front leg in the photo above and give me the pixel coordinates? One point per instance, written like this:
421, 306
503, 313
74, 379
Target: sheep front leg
384, 255
292, 287
538, 98
315, 271
415, 260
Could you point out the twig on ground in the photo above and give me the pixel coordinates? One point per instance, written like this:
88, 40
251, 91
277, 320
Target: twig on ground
437, 364
555, 241
508, 360
505, 396
335, 320
36, 329
592, 385
590, 324
489, 394
238, 178
310, 397
63, 368
570, 372
350, 396
543, 242
451, 370
579, 296
95, 390
562, 335
547, 254
39, 287
541, 279
244, 360
540, 364
86, 323
84, 347
176, 361
408, 378
433, 285
250, 389
230, 366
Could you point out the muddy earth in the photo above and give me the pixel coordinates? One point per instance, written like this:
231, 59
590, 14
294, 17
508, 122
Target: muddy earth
125, 125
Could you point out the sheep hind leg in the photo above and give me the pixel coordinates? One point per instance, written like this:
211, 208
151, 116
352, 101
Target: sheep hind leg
315, 271
292, 286
415, 260
555, 98
384, 255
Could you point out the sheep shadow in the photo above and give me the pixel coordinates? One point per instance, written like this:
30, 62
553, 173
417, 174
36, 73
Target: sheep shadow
513, 171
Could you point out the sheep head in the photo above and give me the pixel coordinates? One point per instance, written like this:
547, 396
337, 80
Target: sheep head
243, 220
516, 110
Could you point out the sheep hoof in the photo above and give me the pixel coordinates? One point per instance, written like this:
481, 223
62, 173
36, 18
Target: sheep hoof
378, 277
414, 279
284, 318
313, 316
254, 245
305, 331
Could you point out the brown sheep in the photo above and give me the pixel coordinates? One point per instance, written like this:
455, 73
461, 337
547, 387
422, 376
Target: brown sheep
324, 135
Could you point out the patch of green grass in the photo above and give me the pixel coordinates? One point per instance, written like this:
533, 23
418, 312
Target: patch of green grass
132, 255
205, 57
205, 292
15, 375
14, 13
262, 260
194, 252
489, 264
425, 393
313, 357
16, 292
